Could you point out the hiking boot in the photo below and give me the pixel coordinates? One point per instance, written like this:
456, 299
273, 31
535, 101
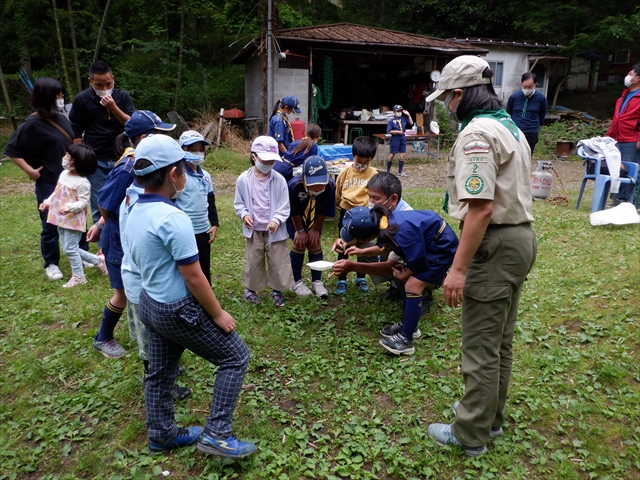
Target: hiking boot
251, 297
229, 447
398, 344
362, 284
109, 348
53, 272
300, 289
441, 433
102, 265
278, 298
317, 287
75, 281
495, 432
186, 437
341, 287
396, 328
393, 294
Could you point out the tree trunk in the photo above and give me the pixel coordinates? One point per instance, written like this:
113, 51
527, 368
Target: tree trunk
75, 48
101, 31
62, 57
175, 98
7, 100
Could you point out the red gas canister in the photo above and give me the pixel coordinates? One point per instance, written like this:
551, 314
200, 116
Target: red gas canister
299, 129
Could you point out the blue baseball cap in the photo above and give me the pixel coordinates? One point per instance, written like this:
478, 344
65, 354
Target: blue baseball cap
292, 102
397, 107
314, 170
160, 150
143, 121
359, 223
190, 137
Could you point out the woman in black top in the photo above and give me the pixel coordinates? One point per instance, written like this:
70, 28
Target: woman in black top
37, 147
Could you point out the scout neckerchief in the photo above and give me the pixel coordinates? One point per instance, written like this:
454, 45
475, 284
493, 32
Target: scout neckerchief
309, 214
498, 115
285, 120
526, 102
128, 152
626, 100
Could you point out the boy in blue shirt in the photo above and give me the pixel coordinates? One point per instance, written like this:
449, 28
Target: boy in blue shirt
398, 144
179, 308
312, 197
198, 200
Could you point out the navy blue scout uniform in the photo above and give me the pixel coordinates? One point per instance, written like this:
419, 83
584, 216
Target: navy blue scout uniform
425, 242
290, 160
280, 129
398, 142
325, 204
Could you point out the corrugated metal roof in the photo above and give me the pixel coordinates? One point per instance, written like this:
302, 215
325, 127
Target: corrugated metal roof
493, 41
350, 34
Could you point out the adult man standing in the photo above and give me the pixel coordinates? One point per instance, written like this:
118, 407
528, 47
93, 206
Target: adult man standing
625, 127
528, 108
98, 116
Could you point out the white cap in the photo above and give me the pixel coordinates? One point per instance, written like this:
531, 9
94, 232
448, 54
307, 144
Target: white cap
462, 71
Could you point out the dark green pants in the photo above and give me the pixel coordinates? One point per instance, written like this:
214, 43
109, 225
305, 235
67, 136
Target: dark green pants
489, 311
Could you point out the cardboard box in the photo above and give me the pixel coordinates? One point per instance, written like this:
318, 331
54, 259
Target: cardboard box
383, 109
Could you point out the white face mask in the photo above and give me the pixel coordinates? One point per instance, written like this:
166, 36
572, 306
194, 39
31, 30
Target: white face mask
263, 168
398, 114
360, 167
200, 159
103, 93
371, 205
66, 164
60, 103
178, 192
453, 114
528, 91
313, 193
628, 81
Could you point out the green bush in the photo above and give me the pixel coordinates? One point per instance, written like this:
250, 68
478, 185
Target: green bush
569, 131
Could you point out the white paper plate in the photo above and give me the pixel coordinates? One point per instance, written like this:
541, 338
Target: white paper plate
320, 265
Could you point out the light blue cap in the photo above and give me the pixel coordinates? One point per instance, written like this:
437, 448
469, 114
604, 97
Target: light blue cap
160, 150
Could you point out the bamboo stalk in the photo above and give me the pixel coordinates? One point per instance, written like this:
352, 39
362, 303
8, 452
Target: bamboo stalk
7, 99
75, 48
175, 97
65, 71
102, 25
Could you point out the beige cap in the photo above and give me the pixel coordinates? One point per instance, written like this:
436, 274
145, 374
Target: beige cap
462, 71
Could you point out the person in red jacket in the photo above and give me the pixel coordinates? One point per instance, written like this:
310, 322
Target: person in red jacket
625, 128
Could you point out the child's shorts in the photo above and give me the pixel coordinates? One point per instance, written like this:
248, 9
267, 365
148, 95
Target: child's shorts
398, 144
115, 277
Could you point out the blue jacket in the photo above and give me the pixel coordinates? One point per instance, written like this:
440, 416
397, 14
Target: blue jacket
534, 115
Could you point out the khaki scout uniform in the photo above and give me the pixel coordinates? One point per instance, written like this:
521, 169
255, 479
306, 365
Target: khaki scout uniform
491, 161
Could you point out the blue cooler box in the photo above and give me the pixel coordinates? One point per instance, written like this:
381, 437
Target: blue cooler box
335, 152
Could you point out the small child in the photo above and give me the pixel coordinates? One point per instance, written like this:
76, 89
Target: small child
312, 198
67, 207
198, 200
262, 203
398, 144
351, 191
298, 151
425, 246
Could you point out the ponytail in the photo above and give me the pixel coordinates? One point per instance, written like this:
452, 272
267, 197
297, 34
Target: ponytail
313, 131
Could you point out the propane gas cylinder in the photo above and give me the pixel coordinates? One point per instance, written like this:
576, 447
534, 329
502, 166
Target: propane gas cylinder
541, 180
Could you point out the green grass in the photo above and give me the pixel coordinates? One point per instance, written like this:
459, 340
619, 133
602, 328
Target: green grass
321, 399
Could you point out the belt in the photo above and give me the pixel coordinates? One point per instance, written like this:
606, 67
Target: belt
495, 226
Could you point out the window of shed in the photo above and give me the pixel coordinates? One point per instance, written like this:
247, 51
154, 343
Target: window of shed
497, 68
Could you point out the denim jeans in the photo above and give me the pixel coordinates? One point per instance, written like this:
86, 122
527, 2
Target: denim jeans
97, 182
49, 235
629, 153
70, 239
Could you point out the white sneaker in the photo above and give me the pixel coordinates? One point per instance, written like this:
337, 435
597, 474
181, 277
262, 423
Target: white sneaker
300, 289
53, 272
74, 282
318, 289
87, 265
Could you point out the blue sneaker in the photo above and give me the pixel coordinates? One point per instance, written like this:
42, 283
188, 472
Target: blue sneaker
495, 432
229, 447
341, 287
362, 284
441, 433
186, 437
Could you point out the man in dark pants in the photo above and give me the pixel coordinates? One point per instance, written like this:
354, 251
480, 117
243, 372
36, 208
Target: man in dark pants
528, 108
98, 116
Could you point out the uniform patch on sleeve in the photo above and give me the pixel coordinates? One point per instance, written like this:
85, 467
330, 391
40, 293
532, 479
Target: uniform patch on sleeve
474, 184
476, 146
477, 159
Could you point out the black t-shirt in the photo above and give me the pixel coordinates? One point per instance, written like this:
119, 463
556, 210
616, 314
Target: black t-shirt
41, 145
99, 126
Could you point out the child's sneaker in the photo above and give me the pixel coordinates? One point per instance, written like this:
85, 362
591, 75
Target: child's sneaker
278, 299
341, 287
53, 272
441, 433
396, 328
109, 348
318, 289
102, 265
186, 437
229, 447
251, 297
75, 281
87, 265
362, 284
402, 174
398, 344
300, 289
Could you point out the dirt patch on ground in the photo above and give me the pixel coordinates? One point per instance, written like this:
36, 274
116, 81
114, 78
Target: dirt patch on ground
17, 188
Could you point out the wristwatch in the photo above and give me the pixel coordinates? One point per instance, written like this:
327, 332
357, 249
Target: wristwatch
99, 225
300, 231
